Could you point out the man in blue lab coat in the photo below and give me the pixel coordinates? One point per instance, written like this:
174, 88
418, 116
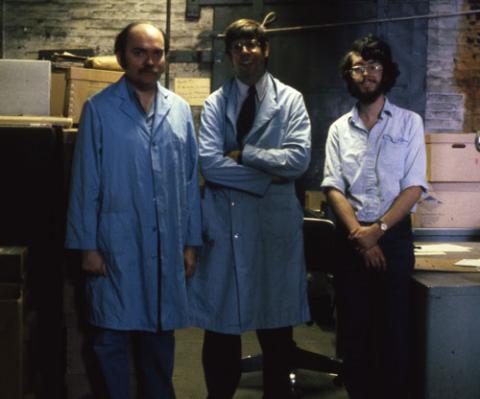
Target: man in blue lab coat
254, 142
135, 214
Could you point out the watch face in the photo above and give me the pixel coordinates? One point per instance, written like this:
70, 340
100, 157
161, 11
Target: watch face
383, 226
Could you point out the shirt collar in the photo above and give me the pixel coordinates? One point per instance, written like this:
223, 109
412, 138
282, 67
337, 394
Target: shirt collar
387, 108
132, 94
260, 87
354, 117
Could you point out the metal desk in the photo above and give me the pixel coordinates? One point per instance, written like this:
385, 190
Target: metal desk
446, 360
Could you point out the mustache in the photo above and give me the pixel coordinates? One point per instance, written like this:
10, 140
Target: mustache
148, 70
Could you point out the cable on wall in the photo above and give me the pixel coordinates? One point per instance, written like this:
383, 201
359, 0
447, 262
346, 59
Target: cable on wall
269, 18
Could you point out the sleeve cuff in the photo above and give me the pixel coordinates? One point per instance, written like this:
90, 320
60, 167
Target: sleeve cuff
332, 183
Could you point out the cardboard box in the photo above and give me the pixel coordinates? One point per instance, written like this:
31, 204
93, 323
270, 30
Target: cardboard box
449, 205
452, 158
25, 87
71, 87
12, 264
11, 341
58, 92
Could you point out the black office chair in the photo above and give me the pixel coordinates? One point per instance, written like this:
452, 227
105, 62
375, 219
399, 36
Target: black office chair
319, 242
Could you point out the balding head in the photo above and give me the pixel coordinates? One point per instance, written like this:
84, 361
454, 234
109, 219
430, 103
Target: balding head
122, 38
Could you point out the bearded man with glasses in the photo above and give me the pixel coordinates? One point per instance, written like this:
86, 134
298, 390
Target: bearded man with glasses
254, 142
374, 175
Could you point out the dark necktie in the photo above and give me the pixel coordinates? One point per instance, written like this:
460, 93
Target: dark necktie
246, 116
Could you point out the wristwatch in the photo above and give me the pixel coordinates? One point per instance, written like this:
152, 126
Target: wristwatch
383, 226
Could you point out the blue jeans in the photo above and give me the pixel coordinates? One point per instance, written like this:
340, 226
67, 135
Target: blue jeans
155, 354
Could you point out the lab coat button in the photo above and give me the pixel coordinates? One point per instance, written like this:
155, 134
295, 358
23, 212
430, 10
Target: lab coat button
236, 235
233, 203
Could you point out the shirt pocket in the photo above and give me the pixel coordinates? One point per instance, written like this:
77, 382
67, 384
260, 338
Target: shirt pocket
392, 155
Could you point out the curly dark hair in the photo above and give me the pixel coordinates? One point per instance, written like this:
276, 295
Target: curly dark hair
371, 48
245, 29
122, 38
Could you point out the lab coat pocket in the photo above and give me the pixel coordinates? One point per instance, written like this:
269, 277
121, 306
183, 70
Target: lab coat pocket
215, 216
113, 232
281, 217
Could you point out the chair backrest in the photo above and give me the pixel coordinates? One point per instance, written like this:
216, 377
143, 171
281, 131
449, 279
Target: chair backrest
319, 239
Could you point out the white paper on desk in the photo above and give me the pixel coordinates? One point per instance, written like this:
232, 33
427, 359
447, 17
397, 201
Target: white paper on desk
423, 252
442, 248
468, 262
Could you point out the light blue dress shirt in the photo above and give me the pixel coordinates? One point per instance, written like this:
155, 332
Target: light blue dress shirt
371, 168
242, 92
150, 114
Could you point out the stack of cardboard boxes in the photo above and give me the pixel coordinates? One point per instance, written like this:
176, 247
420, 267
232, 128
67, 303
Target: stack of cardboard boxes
453, 173
36, 94
72, 86
43, 89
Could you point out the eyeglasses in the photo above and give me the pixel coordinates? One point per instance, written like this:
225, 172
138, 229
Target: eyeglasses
358, 70
250, 45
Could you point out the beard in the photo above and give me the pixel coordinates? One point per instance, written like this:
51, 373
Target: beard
365, 97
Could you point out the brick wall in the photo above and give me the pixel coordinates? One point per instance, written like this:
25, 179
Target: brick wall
444, 108
31, 25
453, 64
453, 68
467, 66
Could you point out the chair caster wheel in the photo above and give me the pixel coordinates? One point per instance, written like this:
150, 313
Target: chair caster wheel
295, 391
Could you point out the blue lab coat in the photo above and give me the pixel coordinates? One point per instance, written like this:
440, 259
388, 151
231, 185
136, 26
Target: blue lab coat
251, 273
135, 198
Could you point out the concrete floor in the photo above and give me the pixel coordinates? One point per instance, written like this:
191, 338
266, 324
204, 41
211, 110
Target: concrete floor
188, 375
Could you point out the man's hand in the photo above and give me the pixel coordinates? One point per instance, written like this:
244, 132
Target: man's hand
374, 258
235, 155
93, 263
189, 260
365, 237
